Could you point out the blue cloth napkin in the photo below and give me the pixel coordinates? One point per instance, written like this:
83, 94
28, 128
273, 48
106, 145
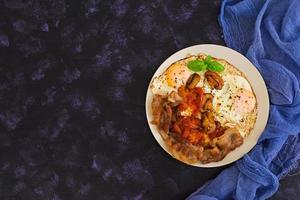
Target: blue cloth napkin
268, 33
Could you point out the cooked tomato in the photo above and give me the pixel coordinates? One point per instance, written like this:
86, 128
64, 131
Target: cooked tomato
192, 99
188, 128
195, 136
191, 122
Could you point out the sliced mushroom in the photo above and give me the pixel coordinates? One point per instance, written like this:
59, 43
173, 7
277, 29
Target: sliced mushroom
174, 98
214, 79
193, 81
182, 91
207, 105
208, 122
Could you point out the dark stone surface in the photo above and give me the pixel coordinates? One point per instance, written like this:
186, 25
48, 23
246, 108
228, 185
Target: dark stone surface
289, 188
73, 79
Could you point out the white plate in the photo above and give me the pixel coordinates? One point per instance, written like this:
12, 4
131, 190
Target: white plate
252, 74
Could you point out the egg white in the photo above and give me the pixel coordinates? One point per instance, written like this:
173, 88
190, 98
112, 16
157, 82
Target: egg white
224, 100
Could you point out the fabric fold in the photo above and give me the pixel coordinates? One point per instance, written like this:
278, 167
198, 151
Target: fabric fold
267, 33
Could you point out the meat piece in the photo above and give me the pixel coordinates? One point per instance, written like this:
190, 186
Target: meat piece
211, 155
183, 151
166, 117
214, 79
176, 114
193, 81
208, 122
222, 145
157, 101
218, 131
176, 128
156, 108
229, 140
161, 112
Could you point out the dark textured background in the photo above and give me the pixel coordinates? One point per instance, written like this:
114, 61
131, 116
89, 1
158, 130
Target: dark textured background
73, 79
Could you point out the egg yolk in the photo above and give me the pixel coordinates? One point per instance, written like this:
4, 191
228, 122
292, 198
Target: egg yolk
177, 74
244, 101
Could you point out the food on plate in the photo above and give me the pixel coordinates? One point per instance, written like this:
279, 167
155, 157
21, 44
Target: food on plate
214, 80
203, 108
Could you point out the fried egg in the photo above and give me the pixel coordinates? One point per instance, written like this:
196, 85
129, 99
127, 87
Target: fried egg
234, 100
175, 76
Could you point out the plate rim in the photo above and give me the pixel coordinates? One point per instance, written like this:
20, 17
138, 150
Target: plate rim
248, 145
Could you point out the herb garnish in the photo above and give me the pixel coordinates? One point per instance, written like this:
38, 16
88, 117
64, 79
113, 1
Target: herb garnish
207, 63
